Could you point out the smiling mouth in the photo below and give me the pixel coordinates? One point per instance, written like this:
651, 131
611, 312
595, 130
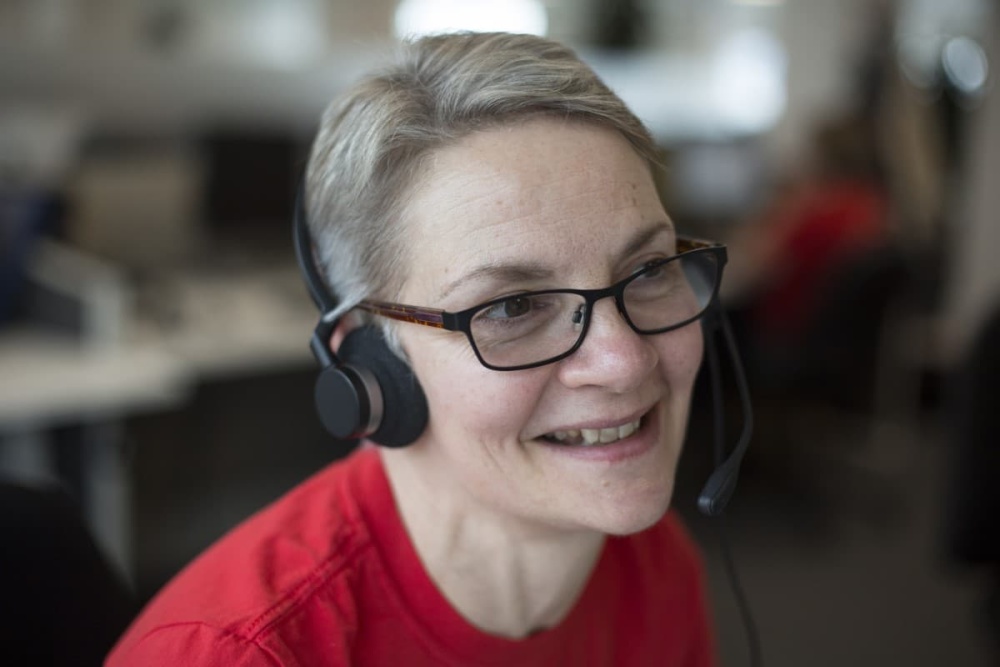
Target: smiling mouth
591, 437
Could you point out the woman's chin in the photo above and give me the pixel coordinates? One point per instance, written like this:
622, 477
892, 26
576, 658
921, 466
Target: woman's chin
625, 516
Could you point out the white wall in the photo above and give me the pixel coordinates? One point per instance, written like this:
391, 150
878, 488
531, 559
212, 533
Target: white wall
91, 53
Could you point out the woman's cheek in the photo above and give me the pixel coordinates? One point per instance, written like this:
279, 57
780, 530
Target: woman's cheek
681, 352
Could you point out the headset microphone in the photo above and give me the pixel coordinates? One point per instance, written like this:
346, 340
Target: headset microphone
721, 484
365, 391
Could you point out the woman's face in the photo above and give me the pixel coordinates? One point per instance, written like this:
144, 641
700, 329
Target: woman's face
546, 204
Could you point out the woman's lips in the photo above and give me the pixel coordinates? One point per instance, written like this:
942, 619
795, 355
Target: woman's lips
639, 436
588, 437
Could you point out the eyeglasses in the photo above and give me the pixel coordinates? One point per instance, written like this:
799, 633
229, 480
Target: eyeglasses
532, 329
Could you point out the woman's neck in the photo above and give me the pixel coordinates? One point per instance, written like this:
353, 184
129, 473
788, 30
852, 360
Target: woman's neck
504, 575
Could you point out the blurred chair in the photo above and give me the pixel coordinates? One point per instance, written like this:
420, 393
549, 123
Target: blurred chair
837, 360
62, 603
821, 396
972, 529
250, 184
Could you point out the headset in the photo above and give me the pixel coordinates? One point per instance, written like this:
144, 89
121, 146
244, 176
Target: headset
366, 391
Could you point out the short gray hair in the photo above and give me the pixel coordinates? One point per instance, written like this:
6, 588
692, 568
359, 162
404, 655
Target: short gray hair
375, 138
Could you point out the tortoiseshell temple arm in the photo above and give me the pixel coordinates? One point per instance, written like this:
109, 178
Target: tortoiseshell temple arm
430, 317
685, 244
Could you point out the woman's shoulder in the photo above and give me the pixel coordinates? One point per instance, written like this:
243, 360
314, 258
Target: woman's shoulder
309, 543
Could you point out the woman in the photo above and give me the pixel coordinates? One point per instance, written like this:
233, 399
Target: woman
495, 178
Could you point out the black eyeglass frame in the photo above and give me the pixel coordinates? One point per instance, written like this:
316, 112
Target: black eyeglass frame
462, 320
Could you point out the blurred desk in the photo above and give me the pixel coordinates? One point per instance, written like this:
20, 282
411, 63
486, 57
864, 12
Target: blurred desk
218, 325
47, 379
232, 324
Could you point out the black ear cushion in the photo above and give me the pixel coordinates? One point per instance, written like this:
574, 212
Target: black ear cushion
404, 412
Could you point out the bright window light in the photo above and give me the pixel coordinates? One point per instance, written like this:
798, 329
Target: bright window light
748, 80
965, 64
285, 35
421, 17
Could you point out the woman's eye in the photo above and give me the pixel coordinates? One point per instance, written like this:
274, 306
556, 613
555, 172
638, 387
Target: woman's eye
517, 306
652, 269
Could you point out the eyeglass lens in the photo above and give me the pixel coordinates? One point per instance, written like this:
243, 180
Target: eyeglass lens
534, 327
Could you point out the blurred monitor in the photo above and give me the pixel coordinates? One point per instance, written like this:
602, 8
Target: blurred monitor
717, 181
251, 180
136, 203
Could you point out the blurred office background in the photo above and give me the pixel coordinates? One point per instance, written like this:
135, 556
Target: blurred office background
153, 359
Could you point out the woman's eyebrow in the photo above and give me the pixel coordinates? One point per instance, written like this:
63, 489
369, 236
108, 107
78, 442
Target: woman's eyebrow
644, 237
526, 272
499, 273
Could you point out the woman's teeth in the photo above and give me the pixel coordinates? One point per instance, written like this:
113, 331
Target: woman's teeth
594, 436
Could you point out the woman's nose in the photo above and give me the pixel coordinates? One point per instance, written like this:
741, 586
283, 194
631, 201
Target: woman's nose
612, 354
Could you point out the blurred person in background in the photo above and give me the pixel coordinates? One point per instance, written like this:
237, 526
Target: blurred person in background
971, 517
832, 211
818, 272
523, 516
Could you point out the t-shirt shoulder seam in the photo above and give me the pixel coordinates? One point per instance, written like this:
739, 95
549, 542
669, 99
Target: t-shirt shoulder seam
223, 631
296, 595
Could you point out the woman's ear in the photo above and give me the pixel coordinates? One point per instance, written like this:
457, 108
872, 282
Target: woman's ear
348, 323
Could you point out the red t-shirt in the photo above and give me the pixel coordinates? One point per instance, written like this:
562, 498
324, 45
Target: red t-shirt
328, 576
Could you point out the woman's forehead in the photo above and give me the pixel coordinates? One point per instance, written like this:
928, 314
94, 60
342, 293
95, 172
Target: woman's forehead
539, 197
543, 177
